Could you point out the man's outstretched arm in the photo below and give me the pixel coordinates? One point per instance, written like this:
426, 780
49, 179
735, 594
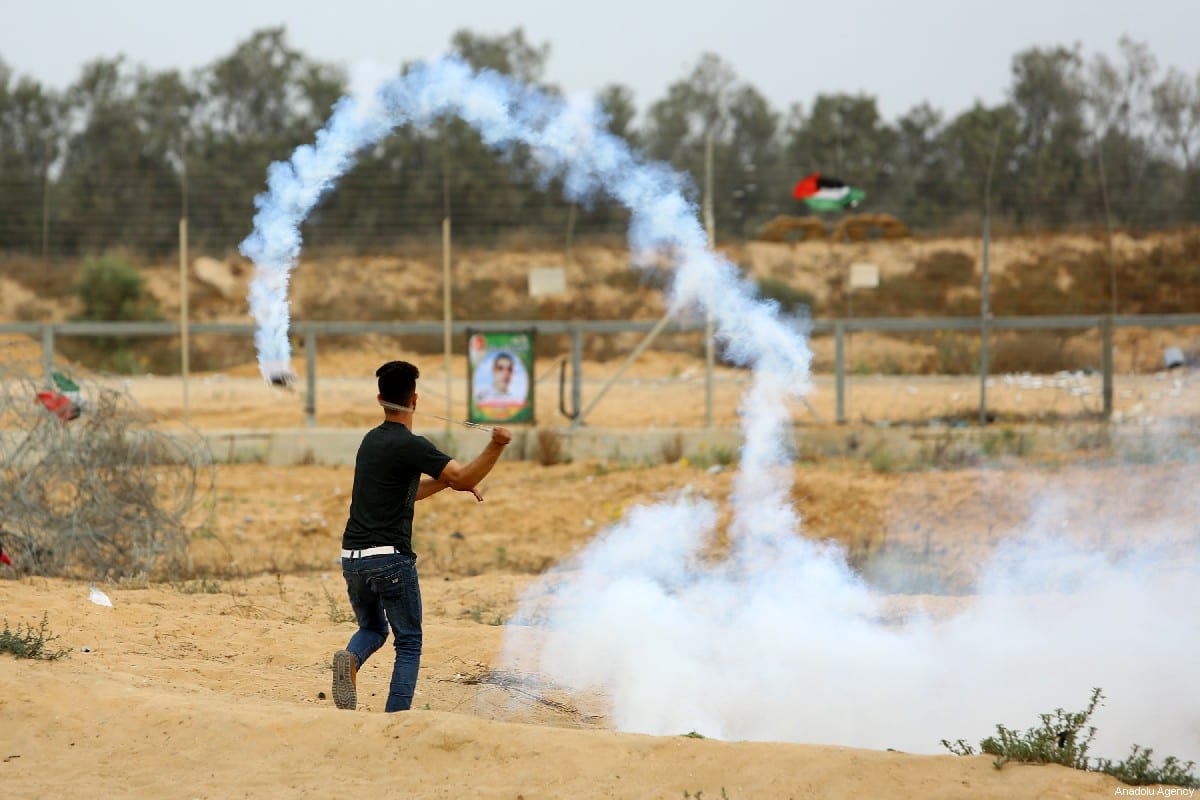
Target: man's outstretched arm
465, 478
431, 486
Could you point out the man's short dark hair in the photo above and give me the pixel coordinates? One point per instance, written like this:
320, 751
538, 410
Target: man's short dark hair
397, 382
505, 356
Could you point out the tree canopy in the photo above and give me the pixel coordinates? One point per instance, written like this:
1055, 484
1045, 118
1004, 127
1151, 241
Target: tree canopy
1080, 141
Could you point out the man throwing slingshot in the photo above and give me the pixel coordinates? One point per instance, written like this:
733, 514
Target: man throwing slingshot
394, 469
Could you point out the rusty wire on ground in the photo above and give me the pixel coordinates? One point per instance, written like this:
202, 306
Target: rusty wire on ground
520, 690
88, 486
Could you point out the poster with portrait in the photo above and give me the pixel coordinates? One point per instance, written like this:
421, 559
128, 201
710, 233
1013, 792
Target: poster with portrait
500, 376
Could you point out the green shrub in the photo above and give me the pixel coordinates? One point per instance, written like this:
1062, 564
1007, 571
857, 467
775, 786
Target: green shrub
1063, 739
28, 642
113, 290
337, 614
883, 460
717, 455
1139, 769
791, 300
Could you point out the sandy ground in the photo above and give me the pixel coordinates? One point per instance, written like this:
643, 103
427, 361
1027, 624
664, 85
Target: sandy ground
210, 686
215, 684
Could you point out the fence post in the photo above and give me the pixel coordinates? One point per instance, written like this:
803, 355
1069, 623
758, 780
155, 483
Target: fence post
576, 371
310, 355
839, 370
1106, 329
48, 353
983, 364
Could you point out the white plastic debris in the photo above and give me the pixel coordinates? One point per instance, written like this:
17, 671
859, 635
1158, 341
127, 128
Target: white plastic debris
98, 597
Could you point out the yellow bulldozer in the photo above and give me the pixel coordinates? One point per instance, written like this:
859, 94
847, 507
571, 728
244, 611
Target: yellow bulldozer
850, 228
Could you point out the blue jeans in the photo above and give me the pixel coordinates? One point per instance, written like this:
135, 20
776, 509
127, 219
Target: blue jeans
384, 592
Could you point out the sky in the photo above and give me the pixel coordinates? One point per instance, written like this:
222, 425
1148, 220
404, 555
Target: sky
948, 53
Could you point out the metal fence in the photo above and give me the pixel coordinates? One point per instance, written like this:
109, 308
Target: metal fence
571, 401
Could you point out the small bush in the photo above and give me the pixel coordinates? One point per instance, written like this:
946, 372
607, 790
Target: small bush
337, 614
112, 289
549, 449
718, 455
671, 449
945, 451
1063, 739
1005, 442
1139, 769
791, 300
883, 460
201, 586
954, 353
28, 642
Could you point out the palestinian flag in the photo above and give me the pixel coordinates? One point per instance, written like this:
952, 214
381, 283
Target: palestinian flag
64, 403
823, 193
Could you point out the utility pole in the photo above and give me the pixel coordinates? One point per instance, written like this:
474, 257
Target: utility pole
570, 229
985, 311
710, 228
46, 215
1112, 290
446, 315
183, 281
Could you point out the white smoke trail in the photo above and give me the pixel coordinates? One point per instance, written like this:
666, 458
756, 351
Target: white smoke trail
780, 640
568, 141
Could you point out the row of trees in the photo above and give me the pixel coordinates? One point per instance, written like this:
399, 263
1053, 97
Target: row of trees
113, 159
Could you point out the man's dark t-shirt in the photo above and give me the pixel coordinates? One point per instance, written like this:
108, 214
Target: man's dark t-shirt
387, 471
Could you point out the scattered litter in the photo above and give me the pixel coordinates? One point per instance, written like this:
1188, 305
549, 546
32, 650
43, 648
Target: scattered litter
98, 597
85, 649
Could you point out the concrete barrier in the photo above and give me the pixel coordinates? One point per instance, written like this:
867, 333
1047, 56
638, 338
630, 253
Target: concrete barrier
885, 447
928, 445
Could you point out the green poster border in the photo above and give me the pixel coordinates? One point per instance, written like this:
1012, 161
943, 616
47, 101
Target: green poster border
527, 415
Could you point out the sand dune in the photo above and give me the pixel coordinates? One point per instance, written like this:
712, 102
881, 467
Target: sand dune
215, 695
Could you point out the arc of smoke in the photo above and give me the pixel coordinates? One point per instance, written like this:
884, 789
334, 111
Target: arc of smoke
568, 140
